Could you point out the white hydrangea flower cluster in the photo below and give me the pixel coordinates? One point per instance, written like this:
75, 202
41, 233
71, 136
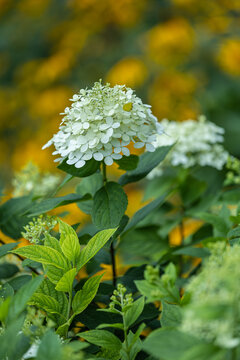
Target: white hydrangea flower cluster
101, 123
197, 143
214, 310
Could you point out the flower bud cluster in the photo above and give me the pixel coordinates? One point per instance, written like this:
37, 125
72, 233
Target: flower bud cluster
233, 174
101, 123
38, 228
121, 300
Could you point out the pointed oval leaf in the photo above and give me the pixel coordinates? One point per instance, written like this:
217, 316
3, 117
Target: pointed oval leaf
109, 206
65, 283
102, 338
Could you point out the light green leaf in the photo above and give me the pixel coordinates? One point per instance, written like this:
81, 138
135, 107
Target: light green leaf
52, 242
65, 283
46, 303
94, 245
65, 230
54, 274
43, 254
147, 162
71, 248
109, 206
133, 313
84, 296
115, 325
102, 338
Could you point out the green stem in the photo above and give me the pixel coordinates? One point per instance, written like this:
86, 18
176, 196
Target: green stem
125, 330
114, 272
104, 172
69, 309
234, 353
112, 250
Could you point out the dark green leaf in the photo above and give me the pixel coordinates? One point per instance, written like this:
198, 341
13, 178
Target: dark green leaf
89, 168
7, 270
50, 347
52, 203
128, 162
4, 249
109, 206
147, 162
171, 315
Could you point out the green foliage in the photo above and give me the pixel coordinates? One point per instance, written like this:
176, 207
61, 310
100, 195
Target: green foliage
147, 162
109, 206
88, 169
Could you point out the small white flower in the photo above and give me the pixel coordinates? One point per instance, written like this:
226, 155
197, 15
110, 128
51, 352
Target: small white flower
101, 122
196, 143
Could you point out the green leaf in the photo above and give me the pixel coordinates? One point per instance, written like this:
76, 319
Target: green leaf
10, 337
65, 283
47, 288
94, 245
144, 211
116, 325
89, 168
192, 251
65, 230
52, 242
50, 347
220, 225
109, 206
19, 301
203, 352
84, 296
6, 291
52, 203
89, 185
233, 233
147, 162
133, 313
128, 162
71, 247
168, 344
8, 270
45, 302
4, 249
43, 254
171, 315
53, 273
18, 281
102, 338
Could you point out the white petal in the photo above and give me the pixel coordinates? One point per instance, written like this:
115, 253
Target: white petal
72, 161
49, 143
84, 148
87, 156
98, 156
116, 156
115, 125
139, 145
150, 148
105, 139
80, 164
125, 151
86, 125
117, 150
104, 127
108, 160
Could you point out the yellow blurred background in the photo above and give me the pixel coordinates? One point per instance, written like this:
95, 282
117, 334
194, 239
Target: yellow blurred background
181, 56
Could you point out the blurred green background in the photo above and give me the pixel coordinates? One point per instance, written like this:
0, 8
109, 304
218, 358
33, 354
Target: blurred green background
181, 56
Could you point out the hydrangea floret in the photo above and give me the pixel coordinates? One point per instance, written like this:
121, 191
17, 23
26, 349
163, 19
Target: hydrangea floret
101, 123
196, 143
213, 313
